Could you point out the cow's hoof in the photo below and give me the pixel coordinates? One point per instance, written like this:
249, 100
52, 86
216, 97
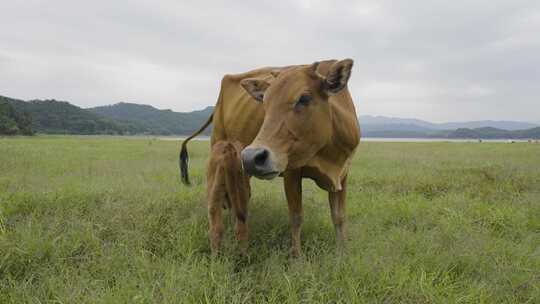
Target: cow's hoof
242, 252
296, 253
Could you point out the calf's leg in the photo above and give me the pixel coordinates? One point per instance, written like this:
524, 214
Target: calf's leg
241, 233
238, 194
216, 197
237, 186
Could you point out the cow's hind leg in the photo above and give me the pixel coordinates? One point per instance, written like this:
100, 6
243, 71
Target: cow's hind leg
337, 211
216, 197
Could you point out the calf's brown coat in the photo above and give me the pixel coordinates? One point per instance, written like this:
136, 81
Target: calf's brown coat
228, 188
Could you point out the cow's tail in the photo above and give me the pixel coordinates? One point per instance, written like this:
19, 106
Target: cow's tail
235, 183
184, 157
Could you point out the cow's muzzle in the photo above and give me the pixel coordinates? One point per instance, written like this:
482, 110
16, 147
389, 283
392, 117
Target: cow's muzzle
258, 162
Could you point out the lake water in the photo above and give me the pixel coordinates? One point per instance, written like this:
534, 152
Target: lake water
384, 139
381, 139
203, 138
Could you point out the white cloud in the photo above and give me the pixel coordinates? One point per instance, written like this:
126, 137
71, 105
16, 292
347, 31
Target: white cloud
437, 60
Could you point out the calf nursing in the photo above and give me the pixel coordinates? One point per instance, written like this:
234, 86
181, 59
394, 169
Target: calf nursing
228, 188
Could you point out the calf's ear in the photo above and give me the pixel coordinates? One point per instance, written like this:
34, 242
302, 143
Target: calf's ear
255, 87
338, 76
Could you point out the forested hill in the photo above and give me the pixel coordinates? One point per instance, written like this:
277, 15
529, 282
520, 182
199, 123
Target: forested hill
494, 133
155, 121
461, 133
12, 121
59, 117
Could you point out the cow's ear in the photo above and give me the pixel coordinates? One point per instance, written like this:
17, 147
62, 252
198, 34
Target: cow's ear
255, 87
338, 76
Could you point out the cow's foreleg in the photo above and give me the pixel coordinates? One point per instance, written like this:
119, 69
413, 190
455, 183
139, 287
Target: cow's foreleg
293, 191
337, 211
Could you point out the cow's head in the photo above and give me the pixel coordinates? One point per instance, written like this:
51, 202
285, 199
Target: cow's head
298, 119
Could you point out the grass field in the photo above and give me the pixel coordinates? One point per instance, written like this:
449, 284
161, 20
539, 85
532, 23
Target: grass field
105, 220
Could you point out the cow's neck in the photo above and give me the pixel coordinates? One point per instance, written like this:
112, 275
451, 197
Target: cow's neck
331, 164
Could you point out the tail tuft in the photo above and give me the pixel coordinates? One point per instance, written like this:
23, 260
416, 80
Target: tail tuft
183, 161
184, 158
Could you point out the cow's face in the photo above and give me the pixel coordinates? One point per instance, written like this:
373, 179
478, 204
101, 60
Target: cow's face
298, 120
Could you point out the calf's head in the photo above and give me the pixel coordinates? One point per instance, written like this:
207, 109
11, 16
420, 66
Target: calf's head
298, 117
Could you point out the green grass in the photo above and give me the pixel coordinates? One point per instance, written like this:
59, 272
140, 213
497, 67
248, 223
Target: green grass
105, 220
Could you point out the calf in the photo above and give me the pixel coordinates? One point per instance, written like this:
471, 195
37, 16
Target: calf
228, 188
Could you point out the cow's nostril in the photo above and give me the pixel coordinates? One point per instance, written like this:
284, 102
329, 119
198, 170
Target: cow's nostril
258, 162
261, 157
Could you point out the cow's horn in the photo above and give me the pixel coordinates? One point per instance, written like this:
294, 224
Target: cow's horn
275, 73
313, 70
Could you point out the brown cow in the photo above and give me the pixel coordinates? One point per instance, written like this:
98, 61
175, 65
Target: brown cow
228, 188
299, 121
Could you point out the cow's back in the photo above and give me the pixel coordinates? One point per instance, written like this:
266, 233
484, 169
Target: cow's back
237, 115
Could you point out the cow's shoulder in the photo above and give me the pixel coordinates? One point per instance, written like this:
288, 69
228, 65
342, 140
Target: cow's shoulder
237, 115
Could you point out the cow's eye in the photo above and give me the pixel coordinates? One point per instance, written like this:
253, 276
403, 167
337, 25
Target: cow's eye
303, 101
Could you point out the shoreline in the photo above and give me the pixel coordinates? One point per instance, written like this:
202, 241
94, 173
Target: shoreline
389, 139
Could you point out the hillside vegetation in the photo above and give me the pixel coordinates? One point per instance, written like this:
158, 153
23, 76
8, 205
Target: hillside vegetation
105, 220
154, 121
13, 122
462, 133
59, 117
407, 123
493, 133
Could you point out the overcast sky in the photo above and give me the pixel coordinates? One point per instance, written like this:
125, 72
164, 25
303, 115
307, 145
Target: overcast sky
434, 60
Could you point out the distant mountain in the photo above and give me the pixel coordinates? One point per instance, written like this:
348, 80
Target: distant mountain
494, 133
462, 133
388, 123
155, 121
12, 121
60, 117
381, 126
503, 125
383, 121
